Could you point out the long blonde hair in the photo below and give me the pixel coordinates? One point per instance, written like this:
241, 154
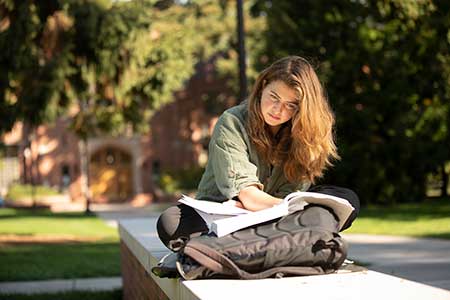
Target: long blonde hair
304, 146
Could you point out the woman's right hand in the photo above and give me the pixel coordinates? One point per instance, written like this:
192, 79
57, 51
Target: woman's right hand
234, 203
254, 199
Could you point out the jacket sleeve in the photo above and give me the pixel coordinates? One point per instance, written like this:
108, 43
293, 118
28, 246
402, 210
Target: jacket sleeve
228, 154
287, 187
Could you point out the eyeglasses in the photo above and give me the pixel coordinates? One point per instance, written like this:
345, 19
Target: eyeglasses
287, 106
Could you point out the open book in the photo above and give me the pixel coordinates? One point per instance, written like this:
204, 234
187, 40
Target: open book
223, 218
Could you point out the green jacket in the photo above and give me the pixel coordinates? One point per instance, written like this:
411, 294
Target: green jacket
234, 164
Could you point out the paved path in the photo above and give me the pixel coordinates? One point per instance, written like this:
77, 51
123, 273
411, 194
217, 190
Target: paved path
56, 286
423, 260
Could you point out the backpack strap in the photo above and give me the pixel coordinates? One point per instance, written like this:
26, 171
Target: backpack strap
335, 245
213, 260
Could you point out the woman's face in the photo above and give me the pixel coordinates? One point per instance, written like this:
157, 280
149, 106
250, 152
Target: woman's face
278, 104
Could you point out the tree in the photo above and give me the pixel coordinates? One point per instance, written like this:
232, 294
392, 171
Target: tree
385, 66
108, 66
32, 65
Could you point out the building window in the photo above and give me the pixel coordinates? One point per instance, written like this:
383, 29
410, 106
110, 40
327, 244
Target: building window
65, 177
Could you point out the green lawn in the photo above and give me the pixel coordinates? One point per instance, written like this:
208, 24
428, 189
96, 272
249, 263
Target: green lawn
428, 219
43, 222
99, 256
112, 295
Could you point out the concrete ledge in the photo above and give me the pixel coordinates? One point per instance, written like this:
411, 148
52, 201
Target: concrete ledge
139, 236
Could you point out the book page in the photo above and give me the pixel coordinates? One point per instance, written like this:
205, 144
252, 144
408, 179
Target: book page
210, 218
341, 207
212, 207
225, 226
296, 204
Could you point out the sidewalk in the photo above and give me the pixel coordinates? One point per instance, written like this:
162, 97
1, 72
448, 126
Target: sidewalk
422, 260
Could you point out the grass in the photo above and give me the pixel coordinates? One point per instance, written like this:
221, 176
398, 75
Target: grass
44, 245
44, 222
110, 295
428, 219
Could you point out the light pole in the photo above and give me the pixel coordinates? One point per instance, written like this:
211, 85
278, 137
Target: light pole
241, 51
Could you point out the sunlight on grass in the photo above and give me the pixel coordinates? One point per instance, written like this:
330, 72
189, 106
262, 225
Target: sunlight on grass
429, 219
439, 228
27, 222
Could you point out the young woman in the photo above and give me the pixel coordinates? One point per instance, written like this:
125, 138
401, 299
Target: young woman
278, 141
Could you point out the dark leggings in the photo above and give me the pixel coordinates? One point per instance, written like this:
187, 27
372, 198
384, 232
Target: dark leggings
183, 221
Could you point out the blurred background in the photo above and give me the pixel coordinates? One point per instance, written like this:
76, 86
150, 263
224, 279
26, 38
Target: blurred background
122, 95
113, 102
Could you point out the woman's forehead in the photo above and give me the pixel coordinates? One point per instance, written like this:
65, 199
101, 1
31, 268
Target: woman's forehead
282, 90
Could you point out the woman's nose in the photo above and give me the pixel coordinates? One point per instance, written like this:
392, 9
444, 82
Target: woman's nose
277, 107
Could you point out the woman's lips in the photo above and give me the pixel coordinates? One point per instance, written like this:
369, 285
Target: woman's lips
274, 117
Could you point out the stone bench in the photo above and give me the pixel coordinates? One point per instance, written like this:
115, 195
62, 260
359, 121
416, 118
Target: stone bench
141, 250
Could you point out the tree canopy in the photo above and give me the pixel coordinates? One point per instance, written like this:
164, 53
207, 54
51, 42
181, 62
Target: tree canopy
385, 66
112, 63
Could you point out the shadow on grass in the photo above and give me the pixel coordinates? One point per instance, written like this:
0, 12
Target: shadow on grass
6, 213
53, 261
443, 235
107, 295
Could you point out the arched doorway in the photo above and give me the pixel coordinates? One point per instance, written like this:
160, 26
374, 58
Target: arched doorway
110, 174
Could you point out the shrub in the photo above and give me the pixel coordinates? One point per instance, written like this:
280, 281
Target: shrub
21, 191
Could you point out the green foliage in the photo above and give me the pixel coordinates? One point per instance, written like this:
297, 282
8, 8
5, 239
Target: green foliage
113, 62
255, 42
168, 184
385, 65
21, 191
173, 181
33, 61
131, 59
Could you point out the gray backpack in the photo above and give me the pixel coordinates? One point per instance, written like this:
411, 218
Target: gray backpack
303, 243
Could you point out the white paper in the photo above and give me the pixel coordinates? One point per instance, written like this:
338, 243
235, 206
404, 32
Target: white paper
213, 207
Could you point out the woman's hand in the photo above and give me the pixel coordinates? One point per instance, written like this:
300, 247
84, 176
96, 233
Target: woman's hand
252, 198
233, 203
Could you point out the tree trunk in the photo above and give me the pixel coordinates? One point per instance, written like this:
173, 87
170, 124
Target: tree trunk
84, 162
32, 139
444, 187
